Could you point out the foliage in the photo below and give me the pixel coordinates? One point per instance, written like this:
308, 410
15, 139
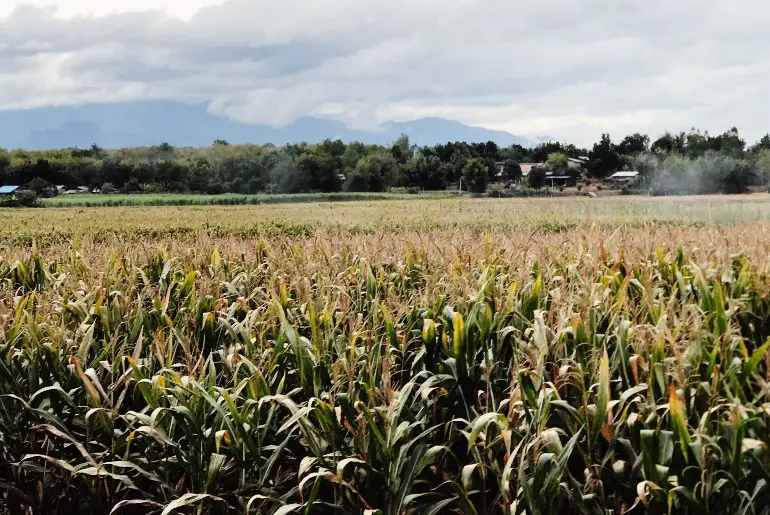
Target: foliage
41, 187
373, 173
557, 162
476, 175
20, 198
511, 171
710, 173
634, 144
604, 158
762, 164
330, 166
427, 172
317, 375
536, 177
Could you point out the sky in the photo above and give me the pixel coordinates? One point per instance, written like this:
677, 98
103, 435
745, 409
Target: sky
570, 69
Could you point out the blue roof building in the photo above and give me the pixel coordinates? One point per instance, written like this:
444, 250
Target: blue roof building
7, 190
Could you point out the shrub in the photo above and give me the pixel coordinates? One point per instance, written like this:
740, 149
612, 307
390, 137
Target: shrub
27, 198
108, 188
21, 198
132, 186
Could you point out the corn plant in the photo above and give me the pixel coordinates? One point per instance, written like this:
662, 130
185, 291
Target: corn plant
160, 382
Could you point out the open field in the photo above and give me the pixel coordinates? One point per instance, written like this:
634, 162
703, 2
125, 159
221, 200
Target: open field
423, 357
228, 199
421, 216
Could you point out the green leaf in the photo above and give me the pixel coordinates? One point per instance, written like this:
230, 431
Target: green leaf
603, 396
480, 424
755, 359
679, 420
187, 500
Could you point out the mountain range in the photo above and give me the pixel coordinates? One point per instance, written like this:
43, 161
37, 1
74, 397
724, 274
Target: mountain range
145, 123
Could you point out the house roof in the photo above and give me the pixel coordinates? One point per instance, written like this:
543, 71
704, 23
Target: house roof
577, 160
527, 167
7, 189
624, 175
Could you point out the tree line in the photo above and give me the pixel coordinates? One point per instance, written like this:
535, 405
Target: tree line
691, 162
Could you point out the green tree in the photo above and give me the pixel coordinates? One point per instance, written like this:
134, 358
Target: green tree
199, 175
41, 187
320, 171
515, 153
476, 175
402, 150
762, 166
762, 144
373, 173
634, 144
669, 143
557, 162
603, 158
5, 160
729, 143
536, 177
511, 171
285, 175
426, 172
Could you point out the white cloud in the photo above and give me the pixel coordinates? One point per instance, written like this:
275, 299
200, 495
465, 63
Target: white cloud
558, 67
68, 9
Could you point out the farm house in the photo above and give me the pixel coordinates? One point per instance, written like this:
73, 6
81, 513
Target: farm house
623, 177
8, 190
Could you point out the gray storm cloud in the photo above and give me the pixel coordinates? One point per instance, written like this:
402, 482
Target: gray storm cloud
572, 69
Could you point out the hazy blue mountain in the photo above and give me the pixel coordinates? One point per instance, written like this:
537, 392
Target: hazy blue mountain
153, 122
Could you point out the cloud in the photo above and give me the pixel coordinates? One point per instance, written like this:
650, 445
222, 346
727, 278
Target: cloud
569, 69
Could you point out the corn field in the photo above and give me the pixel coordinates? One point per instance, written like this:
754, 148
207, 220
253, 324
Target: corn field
608, 369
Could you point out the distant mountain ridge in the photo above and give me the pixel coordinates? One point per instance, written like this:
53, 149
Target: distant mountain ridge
145, 123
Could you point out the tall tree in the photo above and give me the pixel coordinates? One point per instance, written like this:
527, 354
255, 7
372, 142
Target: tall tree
374, 173
603, 158
476, 175
669, 143
634, 144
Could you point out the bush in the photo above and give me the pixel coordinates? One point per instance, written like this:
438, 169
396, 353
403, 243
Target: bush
21, 198
496, 190
151, 187
132, 186
27, 198
108, 188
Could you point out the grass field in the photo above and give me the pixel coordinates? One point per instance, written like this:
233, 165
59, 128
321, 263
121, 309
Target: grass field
229, 199
422, 357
